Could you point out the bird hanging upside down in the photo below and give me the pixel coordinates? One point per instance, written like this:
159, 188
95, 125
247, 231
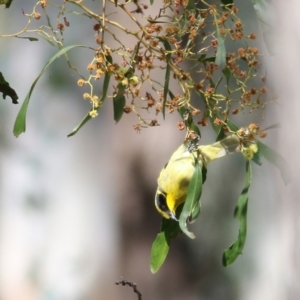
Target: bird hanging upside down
175, 177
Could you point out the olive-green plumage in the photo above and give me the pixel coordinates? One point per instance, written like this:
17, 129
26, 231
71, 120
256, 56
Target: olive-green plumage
175, 177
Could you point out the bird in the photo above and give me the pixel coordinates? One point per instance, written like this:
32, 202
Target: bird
175, 177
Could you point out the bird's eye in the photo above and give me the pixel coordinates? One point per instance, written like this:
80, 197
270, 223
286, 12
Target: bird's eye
161, 202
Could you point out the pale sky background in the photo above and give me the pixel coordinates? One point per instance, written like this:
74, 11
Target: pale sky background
64, 202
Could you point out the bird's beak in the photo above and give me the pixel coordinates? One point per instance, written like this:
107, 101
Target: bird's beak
173, 217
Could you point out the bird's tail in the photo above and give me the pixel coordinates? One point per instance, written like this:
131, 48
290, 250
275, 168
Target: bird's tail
231, 144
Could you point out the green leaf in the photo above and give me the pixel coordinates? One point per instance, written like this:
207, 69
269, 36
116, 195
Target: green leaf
106, 80
119, 102
226, 71
104, 94
6, 90
160, 247
81, 124
274, 126
193, 196
191, 5
20, 123
240, 213
276, 159
221, 134
266, 16
204, 59
151, 2
221, 51
31, 39
168, 72
47, 39
6, 2
232, 126
228, 3
159, 252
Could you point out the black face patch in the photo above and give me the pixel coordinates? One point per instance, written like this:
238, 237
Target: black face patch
161, 202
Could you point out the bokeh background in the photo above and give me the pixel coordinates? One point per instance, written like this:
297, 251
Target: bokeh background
77, 214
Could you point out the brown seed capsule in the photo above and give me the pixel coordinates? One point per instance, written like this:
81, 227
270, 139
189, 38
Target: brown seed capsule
252, 36
127, 109
153, 122
263, 134
80, 82
180, 125
196, 112
37, 16
97, 27
253, 127
60, 26
91, 67
43, 3
264, 90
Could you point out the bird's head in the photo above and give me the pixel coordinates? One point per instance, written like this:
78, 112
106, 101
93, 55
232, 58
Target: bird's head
161, 203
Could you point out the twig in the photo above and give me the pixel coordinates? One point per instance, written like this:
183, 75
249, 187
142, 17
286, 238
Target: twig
131, 284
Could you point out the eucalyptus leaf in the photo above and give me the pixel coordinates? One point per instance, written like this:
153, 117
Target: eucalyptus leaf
193, 196
240, 213
159, 251
228, 3
31, 39
119, 102
20, 123
160, 247
276, 159
168, 72
191, 5
6, 90
6, 2
226, 71
221, 51
266, 17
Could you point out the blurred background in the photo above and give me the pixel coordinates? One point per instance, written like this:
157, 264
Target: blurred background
77, 214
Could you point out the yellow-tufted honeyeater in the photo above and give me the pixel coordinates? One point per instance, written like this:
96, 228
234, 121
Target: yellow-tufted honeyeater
174, 178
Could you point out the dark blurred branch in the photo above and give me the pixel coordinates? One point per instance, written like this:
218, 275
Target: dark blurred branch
131, 284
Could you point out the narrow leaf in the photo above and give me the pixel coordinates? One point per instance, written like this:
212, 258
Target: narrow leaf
119, 102
47, 39
81, 124
31, 39
240, 213
160, 247
226, 71
151, 2
276, 159
159, 252
274, 126
6, 2
228, 3
266, 16
168, 72
191, 5
193, 196
6, 90
20, 123
221, 51
106, 80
